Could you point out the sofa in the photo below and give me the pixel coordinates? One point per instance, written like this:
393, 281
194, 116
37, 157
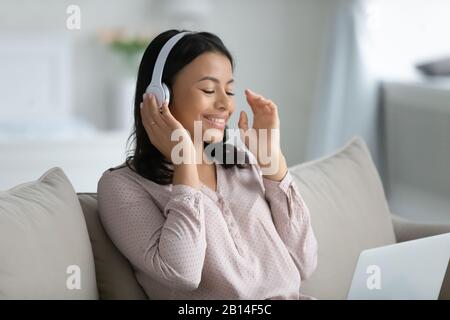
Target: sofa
53, 245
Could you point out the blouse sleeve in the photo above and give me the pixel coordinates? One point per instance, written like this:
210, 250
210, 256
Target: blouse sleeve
292, 220
168, 244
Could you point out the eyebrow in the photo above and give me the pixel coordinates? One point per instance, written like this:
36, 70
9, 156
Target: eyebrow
214, 79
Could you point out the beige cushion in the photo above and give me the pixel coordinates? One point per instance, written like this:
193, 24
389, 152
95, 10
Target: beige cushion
42, 234
115, 276
349, 213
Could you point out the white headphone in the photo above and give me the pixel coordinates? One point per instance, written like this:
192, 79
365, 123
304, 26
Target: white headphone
156, 86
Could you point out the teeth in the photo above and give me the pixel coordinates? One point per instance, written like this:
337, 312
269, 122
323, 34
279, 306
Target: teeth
216, 120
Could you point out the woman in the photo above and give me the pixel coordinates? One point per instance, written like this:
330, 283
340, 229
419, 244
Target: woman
205, 229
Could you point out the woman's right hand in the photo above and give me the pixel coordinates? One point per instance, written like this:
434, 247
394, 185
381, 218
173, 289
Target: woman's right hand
159, 125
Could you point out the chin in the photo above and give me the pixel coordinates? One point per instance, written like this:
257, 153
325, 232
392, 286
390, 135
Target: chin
215, 138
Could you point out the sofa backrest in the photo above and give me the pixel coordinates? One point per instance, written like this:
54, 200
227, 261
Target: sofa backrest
114, 274
349, 213
45, 252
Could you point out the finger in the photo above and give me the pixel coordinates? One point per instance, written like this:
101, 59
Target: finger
255, 101
272, 107
147, 116
262, 103
252, 96
150, 118
251, 99
243, 121
243, 127
147, 119
154, 110
167, 116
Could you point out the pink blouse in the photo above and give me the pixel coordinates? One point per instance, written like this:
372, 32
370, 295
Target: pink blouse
251, 239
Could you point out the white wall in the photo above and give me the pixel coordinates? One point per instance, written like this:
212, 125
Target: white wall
276, 45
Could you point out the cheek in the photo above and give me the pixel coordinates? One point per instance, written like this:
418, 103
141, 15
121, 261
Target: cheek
197, 105
189, 109
213, 135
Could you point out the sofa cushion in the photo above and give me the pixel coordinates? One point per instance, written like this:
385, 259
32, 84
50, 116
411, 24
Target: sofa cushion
349, 213
45, 252
115, 276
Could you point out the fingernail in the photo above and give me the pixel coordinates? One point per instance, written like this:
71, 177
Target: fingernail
140, 105
143, 96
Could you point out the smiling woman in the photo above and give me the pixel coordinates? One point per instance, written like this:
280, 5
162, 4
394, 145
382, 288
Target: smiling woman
205, 231
215, 120
208, 99
198, 72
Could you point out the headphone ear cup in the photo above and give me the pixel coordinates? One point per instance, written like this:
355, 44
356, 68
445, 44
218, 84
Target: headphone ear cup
158, 91
166, 92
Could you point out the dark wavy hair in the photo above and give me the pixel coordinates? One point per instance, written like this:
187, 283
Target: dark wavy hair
146, 159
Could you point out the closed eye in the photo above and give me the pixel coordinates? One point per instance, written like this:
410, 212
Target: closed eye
211, 92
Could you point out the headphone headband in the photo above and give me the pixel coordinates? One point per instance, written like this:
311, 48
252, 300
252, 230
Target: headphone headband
162, 57
156, 86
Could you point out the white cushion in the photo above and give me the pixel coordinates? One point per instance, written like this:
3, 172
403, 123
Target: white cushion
349, 213
42, 234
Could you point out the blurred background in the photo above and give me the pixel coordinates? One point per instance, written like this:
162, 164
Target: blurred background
336, 68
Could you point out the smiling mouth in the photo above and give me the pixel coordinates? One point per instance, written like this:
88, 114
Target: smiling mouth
215, 122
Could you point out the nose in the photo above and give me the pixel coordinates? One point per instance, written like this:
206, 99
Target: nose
220, 106
224, 102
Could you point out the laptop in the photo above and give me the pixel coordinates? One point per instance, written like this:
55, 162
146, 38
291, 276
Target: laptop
410, 270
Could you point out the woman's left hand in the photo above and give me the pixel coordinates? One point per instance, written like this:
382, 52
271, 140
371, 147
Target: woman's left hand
265, 116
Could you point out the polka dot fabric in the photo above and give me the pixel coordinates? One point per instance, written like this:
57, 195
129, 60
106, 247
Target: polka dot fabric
251, 239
